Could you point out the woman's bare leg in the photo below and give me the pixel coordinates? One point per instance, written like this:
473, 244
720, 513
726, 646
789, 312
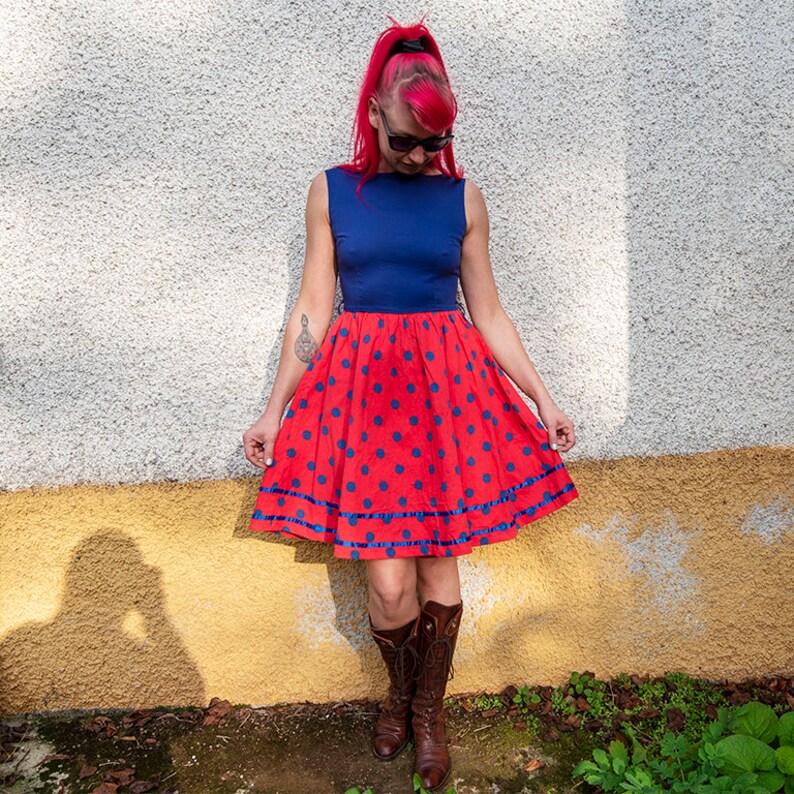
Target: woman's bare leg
438, 580
392, 592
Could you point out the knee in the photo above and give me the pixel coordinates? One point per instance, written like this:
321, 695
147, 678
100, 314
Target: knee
392, 598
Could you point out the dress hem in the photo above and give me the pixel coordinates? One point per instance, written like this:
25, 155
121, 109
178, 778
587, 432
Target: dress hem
429, 548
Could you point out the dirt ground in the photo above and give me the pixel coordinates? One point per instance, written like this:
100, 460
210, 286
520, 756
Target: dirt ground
298, 749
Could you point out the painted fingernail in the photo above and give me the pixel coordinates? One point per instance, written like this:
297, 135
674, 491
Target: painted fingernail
554, 446
269, 461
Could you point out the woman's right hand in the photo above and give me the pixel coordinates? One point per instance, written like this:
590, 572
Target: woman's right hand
260, 439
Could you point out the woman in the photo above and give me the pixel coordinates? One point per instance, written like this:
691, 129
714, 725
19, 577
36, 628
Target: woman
405, 444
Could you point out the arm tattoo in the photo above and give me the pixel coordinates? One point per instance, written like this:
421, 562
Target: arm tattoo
305, 345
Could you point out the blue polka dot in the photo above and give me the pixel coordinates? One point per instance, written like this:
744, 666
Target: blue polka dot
319, 386
341, 443
370, 536
380, 323
470, 460
345, 362
383, 485
470, 430
429, 355
343, 332
418, 485
291, 453
406, 533
390, 552
321, 478
410, 388
437, 419
392, 338
399, 468
396, 435
380, 453
296, 483
366, 338
434, 387
528, 451
335, 412
331, 380
365, 369
378, 420
510, 466
423, 548
365, 469
350, 452
408, 355
377, 355
368, 503
307, 434
395, 404
377, 388
509, 436
311, 465
414, 420
416, 452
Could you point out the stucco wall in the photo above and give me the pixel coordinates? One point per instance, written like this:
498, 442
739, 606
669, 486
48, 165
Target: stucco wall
637, 164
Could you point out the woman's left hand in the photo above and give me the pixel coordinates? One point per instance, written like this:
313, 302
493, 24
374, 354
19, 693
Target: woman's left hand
559, 427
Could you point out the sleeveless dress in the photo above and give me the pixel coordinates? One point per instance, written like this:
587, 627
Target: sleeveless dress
404, 437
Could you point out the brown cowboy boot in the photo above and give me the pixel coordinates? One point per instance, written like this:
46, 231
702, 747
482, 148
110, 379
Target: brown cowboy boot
398, 648
438, 633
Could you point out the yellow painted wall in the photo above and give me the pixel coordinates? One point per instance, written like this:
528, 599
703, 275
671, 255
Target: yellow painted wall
136, 596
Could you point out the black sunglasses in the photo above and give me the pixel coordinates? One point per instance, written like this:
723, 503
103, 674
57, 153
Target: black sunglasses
406, 143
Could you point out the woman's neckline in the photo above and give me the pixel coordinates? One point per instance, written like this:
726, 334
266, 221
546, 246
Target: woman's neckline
407, 176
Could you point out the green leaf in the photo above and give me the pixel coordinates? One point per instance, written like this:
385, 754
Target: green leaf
789, 785
582, 767
757, 720
785, 759
772, 780
744, 754
785, 728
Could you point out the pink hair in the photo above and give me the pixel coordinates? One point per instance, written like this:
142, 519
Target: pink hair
420, 80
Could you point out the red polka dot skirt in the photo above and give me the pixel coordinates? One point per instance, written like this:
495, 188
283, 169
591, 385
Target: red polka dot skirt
404, 438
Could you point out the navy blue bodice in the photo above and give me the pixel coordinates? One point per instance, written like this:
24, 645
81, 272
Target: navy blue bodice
399, 251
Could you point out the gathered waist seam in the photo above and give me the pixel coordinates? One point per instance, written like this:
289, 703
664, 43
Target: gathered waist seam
371, 310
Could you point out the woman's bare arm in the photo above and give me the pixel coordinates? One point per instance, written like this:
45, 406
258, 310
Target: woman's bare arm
493, 323
311, 316
485, 308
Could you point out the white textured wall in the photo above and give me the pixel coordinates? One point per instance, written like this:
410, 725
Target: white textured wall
637, 160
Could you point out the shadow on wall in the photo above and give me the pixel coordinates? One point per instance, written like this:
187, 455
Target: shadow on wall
111, 641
